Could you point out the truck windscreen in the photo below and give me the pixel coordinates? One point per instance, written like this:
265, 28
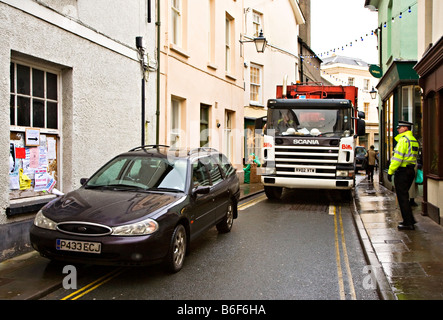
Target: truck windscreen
310, 122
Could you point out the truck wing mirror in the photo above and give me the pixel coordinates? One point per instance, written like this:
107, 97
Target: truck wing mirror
259, 123
361, 127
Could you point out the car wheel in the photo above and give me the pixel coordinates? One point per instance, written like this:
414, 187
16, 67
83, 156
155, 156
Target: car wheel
177, 249
225, 225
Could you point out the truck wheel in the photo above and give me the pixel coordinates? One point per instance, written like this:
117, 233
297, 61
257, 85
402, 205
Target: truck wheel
273, 193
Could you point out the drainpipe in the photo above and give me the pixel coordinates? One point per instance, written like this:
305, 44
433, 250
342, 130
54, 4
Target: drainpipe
157, 136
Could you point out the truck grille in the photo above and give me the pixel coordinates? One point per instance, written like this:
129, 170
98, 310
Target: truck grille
317, 162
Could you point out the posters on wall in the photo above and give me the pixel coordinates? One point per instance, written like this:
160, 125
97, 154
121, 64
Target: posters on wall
31, 164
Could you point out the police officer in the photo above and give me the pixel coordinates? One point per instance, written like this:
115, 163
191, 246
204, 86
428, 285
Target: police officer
403, 166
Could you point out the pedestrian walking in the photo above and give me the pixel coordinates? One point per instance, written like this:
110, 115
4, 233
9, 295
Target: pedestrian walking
372, 158
403, 168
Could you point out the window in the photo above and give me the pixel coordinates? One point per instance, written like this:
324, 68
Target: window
433, 134
214, 171
176, 18
212, 30
204, 125
366, 84
200, 176
366, 109
229, 45
225, 165
228, 133
255, 83
175, 128
34, 97
256, 21
34, 107
389, 130
351, 81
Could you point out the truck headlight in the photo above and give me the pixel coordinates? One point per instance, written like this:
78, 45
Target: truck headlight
345, 173
140, 228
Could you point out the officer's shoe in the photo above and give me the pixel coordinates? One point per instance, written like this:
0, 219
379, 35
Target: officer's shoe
402, 226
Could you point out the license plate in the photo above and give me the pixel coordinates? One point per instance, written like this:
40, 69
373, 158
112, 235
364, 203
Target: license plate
78, 246
304, 170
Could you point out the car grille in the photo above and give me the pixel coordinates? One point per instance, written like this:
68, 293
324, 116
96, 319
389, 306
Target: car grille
84, 229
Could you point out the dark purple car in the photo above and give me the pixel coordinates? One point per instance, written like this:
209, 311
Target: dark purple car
143, 206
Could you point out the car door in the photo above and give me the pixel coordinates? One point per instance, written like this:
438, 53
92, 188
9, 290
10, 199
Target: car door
203, 210
219, 189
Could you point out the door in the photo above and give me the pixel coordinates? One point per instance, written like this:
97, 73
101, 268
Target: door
203, 212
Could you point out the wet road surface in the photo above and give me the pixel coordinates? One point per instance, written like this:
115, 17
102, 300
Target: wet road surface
302, 247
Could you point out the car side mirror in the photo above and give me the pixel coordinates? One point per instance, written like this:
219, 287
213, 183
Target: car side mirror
83, 181
202, 190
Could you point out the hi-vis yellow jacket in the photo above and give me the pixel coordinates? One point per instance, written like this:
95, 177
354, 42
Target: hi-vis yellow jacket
405, 152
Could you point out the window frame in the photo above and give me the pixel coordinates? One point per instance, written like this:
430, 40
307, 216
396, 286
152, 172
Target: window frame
14, 92
256, 85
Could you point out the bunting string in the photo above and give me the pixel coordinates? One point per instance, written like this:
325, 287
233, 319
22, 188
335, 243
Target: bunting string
374, 32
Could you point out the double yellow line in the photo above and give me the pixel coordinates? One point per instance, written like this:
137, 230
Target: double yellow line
94, 285
97, 283
333, 210
252, 202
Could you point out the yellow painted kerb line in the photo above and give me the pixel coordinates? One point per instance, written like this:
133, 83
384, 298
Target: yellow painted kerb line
251, 202
345, 256
93, 285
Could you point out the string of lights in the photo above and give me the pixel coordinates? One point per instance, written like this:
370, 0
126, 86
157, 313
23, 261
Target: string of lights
374, 32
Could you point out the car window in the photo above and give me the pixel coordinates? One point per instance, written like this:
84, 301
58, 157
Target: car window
360, 151
224, 163
111, 173
200, 175
142, 172
214, 171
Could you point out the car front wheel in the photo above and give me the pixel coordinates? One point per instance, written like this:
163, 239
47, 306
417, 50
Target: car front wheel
225, 225
177, 249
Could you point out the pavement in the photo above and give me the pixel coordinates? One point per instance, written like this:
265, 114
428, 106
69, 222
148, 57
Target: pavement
404, 265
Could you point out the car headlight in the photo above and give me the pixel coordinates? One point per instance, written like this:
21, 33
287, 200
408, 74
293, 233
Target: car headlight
42, 222
140, 228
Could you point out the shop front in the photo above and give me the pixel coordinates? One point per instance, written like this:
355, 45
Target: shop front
430, 69
400, 97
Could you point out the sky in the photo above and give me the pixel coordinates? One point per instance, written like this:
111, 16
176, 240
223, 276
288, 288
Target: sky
335, 23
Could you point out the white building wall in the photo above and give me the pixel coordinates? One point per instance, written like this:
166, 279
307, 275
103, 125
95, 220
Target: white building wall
100, 80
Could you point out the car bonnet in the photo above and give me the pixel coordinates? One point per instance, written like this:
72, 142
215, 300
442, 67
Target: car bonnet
108, 207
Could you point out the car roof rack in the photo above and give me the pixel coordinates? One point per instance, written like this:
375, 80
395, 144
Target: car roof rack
149, 146
202, 149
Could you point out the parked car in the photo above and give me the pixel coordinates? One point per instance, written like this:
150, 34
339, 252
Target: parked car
361, 162
143, 206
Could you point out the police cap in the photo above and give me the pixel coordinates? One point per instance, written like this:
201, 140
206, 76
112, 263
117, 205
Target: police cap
402, 123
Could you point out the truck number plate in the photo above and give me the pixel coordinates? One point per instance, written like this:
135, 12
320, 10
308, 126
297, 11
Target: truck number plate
78, 246
304, 170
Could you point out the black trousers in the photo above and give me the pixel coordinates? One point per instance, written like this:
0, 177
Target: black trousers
403, 179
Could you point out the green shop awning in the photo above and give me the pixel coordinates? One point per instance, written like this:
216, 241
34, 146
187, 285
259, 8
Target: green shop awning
400, 72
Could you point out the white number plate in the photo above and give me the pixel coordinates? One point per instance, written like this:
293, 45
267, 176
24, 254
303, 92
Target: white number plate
304, 170
78, 246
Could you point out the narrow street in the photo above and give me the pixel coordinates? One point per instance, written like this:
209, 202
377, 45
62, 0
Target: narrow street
300, 248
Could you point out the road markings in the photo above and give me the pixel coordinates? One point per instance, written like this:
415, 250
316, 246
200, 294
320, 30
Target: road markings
345, 255
97, 283
252, 202
94, 285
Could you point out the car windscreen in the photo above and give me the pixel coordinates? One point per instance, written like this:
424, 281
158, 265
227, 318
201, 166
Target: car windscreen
141, 173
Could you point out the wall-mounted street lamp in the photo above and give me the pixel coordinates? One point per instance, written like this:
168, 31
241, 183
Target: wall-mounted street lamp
260, 42
373, 93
